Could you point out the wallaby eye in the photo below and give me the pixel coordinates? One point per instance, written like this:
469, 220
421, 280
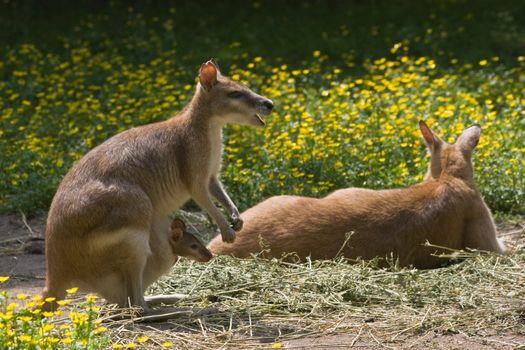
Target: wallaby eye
236, 94
194, 246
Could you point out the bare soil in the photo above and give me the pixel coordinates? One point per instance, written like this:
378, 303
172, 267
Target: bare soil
22, 259
22, 253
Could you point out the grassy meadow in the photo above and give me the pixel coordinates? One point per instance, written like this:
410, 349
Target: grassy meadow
349, 80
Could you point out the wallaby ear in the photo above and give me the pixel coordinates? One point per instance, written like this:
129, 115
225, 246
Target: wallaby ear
469, 138
431, 139
214, 62
208, 75
177, 229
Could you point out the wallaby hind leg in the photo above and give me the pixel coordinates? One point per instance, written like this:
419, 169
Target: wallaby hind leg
135, 292
53, 290
124, 255
171, 313
132, 288
57, 281
155, 315
123, 288
152, 300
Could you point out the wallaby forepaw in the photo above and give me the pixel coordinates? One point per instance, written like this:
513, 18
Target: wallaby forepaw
228, 236
237, 223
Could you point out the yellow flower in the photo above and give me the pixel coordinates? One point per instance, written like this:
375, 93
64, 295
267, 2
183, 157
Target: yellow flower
142, 339
395, 47
25, 318
3, 279
167, 345
51, 340
25, 338
91, 298
63, 302
99, 330
77, 317
277, 346
11, 306
48, 327
72, 290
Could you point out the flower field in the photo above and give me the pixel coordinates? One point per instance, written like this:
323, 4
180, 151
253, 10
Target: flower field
340, 119
23, 324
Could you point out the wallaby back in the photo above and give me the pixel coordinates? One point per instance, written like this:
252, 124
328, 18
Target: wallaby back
446, 209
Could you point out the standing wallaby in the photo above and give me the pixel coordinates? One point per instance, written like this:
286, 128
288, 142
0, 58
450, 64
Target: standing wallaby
446, 209
108, 227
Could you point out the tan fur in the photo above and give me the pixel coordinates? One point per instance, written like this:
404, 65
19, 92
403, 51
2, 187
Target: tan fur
186, 244
446, 209
108, 226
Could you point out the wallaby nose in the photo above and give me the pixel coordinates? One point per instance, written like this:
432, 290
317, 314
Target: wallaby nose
268, 104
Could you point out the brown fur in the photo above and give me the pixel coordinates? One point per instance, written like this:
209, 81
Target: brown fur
108, 228
186, 244
446, 209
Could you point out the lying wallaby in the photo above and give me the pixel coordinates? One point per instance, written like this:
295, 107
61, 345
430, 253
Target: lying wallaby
446, 209
186, 244
107, 228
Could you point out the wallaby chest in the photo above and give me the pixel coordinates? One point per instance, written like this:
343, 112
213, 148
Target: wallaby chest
215, 147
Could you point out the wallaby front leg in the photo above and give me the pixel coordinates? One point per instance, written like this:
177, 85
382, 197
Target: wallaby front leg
203, 200
220, 194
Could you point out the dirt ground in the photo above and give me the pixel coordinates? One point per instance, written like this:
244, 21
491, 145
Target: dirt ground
22, 259
22, 253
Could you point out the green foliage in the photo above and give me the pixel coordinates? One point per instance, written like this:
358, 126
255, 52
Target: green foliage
349, 81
